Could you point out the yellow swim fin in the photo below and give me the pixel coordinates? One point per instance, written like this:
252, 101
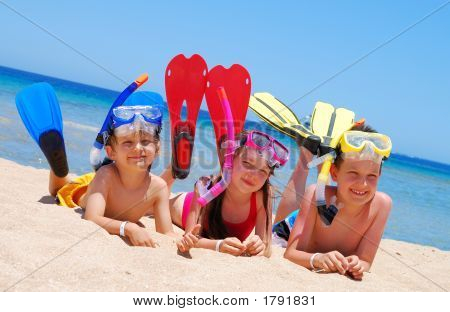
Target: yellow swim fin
329, 123
278, 115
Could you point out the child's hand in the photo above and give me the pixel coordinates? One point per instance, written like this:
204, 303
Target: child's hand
201, 186
254, 245
140, 236
189, 240
355, 267
232, 246
332, 261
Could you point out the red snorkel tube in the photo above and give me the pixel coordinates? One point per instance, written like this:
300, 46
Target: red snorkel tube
227, 169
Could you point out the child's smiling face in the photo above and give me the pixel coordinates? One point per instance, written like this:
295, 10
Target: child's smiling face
134, 151
250, 171
356, 180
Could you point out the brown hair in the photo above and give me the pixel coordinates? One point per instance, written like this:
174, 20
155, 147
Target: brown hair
211, 215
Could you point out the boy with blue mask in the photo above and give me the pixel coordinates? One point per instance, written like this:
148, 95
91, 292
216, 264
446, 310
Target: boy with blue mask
123, 191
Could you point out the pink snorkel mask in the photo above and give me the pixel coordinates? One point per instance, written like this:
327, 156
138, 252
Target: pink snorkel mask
269, 148
274, 152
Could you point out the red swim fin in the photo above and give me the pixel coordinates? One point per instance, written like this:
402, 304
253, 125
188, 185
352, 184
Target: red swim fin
237, 83
185, 82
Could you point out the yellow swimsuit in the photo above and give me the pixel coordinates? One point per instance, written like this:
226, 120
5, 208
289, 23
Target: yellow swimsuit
74, 189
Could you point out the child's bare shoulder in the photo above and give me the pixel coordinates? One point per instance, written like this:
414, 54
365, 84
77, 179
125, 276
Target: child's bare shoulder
382, 202
384, 199
158, 184
106, 171
157, 180
104, 176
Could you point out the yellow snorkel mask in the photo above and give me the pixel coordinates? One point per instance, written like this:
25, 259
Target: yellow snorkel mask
365, 146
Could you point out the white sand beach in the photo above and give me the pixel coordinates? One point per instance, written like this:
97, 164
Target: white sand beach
45, 247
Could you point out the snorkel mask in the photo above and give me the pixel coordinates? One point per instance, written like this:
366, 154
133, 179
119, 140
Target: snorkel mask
365, 146
274, 152
131, 119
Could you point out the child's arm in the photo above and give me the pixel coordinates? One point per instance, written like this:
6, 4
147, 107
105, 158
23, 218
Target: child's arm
192, 228
189, 239
167, 176
302, 233
194, 212
368, 246
163, 220
230, 245
95, 210
294, 191
258, 244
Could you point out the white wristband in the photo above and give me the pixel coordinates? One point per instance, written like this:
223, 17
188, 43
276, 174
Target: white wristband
218, 243
311, 260
122, 228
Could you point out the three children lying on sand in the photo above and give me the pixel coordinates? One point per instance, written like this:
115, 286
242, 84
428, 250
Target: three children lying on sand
239, 220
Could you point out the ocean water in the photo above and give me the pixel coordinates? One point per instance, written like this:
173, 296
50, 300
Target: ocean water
420, 189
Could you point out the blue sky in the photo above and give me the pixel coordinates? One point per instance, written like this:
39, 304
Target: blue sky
289, 47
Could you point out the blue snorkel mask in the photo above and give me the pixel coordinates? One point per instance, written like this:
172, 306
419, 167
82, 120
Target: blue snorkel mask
131, 119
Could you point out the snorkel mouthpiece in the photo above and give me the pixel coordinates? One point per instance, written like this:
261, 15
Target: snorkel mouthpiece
327, 214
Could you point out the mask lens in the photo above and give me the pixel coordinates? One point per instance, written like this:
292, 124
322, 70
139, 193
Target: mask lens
124, 114
260, 139
380, 141
280, 150
356, 140
151, 112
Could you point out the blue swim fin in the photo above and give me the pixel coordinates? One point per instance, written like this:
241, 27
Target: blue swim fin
40, 112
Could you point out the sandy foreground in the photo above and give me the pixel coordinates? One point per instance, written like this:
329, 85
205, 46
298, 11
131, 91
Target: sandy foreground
45, 247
